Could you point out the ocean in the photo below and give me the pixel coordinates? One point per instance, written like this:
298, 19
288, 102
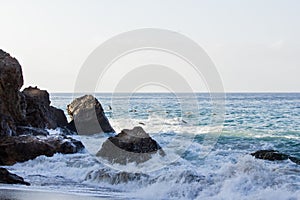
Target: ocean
204, 159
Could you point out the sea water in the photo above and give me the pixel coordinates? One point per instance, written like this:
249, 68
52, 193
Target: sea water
226, 171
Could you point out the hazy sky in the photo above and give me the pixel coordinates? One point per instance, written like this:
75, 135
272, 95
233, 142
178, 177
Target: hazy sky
255, 44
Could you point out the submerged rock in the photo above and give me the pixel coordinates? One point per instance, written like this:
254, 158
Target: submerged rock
9, 178
22, 148
88, 116
273, 155
39, 113
108, 176
269, 155
133, 145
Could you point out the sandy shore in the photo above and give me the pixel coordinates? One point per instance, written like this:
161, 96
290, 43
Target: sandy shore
19, 194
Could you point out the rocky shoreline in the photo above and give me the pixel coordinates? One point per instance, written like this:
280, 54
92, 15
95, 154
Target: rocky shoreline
25, 117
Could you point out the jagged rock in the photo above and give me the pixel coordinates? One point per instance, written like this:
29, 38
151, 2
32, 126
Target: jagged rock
28, 108
273, 155
25, 130
269, 155
25, 147
88, 116
9, 178
39, 113
104, 175
7, 126
12, 102
130, 146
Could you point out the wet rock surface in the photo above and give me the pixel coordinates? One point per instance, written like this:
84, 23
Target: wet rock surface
274, 155
9, 178
133, 145
22, 148
88, 116
110, 177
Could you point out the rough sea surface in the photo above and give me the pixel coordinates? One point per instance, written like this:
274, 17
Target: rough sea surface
251, 122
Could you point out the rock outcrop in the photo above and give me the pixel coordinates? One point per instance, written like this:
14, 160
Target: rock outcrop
9, 178
22, 148
39, 113
24, 116
88, 116
12, 101
29, 108
133, 145
273, 155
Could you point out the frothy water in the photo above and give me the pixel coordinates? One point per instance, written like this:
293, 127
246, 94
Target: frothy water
252, 122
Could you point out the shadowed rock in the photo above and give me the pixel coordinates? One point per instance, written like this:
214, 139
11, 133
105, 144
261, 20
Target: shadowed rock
23, 119
39, 113
270, 155
273, 155
88, 116
22, 148
130, 146
29, 108
9, 178
12, 102
25, 130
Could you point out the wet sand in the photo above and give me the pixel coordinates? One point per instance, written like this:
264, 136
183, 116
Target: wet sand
19, 194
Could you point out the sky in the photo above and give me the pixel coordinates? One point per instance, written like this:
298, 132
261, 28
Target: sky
254, 44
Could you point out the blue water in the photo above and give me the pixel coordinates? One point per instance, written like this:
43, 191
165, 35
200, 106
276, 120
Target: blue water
196, 146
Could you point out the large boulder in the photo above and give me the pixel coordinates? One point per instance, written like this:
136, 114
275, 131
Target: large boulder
9, 178
25, 147
88, 116
133, 145
39, 113
12, 101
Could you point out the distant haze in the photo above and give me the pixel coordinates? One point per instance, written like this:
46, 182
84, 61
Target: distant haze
255, 44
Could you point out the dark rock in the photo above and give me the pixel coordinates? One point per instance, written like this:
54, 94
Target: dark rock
66, 131
88, 116
12, 103
27, 114
271, 155
9, 178
25, 130
39, 113
105, 175
22, 148
7, 126
130, 146
59, 116
295, 160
